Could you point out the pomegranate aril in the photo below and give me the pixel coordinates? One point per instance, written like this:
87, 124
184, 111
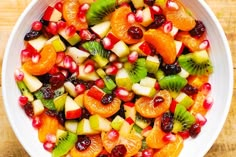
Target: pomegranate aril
169, 137
131, 18
200, 119
74, 67
111, 70
208, 102
194, 130
119, 65
148, 152
121, 92
70, 30
58, 6
61, 25
204, 45
158, 100
54, 70
51, 138
23, 100
156, 9
67, 62
112, 57
52, 28
157, 86
167, 26
205, 88
48, 146
100, 83
106, 42
84, 7
113, 135
37, 26
82, 16
89, 67
19, 75
36, 122
85, 34
133, 56
80, 88
139, 16
60, 57
35, 58
25, 55
171, 5
184, 134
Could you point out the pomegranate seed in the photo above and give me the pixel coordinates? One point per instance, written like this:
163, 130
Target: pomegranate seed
201, 119
145, 47
113, 57
111, 70
133, 56
157, 86
25, 55
61, 25
23, 100
19, 75
89, 67
206, 88
70, 30
58, 6
113, 135
173, 106
171, 5
119, 65
52, 28
85, 34
208, 102
48, 146
51, 138
113, 38
84, 7
169, 137
148, 152
36, 122
156, 9
204, 45
121, 92
184, 134
107, 43
67, 62
131, 18
82, 16
80, 88
54, 70
194, 130
65, 73
139, 16
74, 67
36, 57
60, 57
167, 26
37, 26
100, 83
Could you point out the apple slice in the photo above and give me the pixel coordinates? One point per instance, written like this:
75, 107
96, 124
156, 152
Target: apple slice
70, 88
143, 91
59, 102
152, 64
138, 3
117, 122
136, 47
179, 47
92, 76
80, 100
126, 127
84, 128
148, 17
123, 80
57, 43
71, 125
72, 110
146, 131
183, 73
79, 56
38, 43
99, 123
52, 14
96, 93
71, 39
120, 49
174, 31
184, 100
38, 107
148, 82
130, 110
101, 29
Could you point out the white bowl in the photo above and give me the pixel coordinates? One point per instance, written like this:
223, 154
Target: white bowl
221, 80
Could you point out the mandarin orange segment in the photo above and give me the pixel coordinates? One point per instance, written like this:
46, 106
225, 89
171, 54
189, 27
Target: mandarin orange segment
164, 44
198, 81
92, 151
45, 63
49, 125
172, 149
120, 25
96, 107
131, 142
70, 13
180, 17
155, 137
145, 105
198, 104
192, 43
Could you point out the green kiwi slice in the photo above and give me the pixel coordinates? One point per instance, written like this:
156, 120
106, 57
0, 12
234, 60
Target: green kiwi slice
64, 145
99, 10
196, 63
183, 119
137, 70
173, 83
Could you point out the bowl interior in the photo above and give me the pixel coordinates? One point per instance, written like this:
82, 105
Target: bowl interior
221, 80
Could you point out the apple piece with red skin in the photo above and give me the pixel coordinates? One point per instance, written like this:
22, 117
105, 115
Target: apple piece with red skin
179, 47
38, 43
145, 48
38, 107
109, 41
96, 93
130, 110
126, 127
71, 39
72, 109
52, 14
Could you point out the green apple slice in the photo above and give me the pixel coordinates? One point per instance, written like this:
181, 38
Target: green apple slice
79, 56
84, 128
72, 40
152, 64
57, 43
117, 122
59, 102
99, 123
92, 76
147, 17
143, 91
102, 28
123, 80
71, 125
148, 82
184, 100
70, 88
120, 49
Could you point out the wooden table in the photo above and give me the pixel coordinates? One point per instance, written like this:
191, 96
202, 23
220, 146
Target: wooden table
225, 144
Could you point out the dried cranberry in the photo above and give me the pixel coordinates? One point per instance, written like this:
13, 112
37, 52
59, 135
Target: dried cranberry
85, 113
103, 155
198, 30
82, 143
158, 100
61, 117
32, 35
167, 122
135, 32
44, 78
190, 90
47, 93
107, 99
149, 2
28, 108
194, 130
171, 69
89, 84
158, 21
51, 113
44, 22
118, 151
57, 80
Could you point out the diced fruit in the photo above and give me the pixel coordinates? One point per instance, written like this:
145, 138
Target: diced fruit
79, 56
136, 47
70, 88
184, 100
142, 122
71, 39
145, 132
38, 107
138, 3
72, 110
52, 14
84, 128
26, 94
96, 93
59, 102
57, 43
179, 47
99, 123
117, 122
152, 64
38, 43
130, 110
120, 49
60, 134
148, 17
143, 90
123, 80
101, 29
148, 82
92, 76
80, 100
71, 125
198, 105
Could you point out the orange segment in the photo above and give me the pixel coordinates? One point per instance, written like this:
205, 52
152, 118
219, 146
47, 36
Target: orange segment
45, 63
198, 81
155, 137
145, 105
131, 142
198, 104
180, 18
164, 44
190, 42
92, 151
70, 14
120, 25
96, 107
49, 126
172, 149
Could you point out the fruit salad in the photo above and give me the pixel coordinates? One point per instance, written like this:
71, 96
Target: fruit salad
115, 78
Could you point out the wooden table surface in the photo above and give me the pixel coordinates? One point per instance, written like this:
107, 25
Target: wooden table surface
225, 145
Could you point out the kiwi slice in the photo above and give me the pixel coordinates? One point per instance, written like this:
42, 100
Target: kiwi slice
173, 83
196, 63
100, 55
64, 145
183, 119
99, 10
137, 70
